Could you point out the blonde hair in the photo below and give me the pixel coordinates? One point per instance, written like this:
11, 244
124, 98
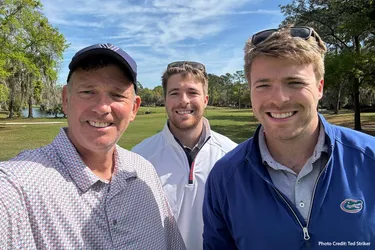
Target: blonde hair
282, 45
187, 72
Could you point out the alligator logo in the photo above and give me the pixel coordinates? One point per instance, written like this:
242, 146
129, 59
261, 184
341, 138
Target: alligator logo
351, 206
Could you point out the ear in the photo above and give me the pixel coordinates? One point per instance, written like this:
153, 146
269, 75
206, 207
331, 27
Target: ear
65, 99
136, 105
320, 88
206, 101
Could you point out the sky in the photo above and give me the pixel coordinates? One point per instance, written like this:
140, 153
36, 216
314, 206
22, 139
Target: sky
157, 32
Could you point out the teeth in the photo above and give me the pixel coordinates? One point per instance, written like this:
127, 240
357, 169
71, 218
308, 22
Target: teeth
281, 115
184, 112
99, 124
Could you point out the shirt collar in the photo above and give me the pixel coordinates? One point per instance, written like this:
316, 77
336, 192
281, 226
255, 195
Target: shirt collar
267, 158
205, 135
82, 175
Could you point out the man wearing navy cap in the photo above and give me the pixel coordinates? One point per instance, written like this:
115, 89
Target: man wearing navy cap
83, 191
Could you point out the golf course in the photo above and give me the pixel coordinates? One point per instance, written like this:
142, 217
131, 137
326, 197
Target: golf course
238, 124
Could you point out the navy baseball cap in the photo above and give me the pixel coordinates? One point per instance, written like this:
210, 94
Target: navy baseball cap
106, 49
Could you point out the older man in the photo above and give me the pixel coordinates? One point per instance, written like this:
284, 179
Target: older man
83, 191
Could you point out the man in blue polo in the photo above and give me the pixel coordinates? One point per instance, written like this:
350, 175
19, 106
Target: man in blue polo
299, 182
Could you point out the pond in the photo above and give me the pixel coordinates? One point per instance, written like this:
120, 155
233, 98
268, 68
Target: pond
37, 113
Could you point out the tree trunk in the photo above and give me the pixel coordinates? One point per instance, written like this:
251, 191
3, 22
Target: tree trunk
11, 103
357, 108
30, 103
337, 106
239, 97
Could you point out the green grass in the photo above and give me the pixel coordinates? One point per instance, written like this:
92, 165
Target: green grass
238, 125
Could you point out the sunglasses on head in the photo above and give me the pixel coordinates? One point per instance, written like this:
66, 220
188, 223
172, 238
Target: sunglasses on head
196, 65
301, 32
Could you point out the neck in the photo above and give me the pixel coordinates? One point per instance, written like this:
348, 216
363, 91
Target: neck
293, 153
187, 137
101, 164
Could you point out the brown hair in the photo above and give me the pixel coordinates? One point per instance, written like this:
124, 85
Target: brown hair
187, 72
282, 45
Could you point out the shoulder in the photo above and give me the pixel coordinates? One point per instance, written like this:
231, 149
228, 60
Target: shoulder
27, 172
150, 145
222, 141
132, 157
133, 165
133, 162
230, 162
30, 163
355, 140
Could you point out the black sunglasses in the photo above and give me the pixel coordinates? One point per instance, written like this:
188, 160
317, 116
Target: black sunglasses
196, 65
302, 32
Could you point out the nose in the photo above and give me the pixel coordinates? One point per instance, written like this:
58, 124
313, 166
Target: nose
279, 95
184, 100
102, 104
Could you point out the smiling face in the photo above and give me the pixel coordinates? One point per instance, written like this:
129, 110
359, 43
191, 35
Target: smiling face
185, 102
100, 104
285, 97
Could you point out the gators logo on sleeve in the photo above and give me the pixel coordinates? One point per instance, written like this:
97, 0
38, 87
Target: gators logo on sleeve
351, 206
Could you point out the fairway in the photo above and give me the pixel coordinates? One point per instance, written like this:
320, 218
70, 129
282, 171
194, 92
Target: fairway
237, 124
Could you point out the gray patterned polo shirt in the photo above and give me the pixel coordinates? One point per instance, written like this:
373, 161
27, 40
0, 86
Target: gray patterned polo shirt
50, 199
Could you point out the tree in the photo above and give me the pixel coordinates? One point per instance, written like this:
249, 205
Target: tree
51, 100
336, 84
215, 88
240, 85
345, 25
30, 51
227, 80
4, 93
158, 96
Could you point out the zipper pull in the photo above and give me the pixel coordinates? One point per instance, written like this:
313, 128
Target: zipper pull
191, 173
306, 235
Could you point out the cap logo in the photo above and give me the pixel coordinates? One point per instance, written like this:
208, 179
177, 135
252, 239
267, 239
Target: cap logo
108, 46
351, 206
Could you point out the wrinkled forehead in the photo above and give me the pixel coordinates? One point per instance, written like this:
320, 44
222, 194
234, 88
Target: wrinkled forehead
109, 75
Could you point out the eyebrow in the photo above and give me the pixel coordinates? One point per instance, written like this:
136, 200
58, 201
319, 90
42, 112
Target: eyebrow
86, 85
120, 89
171, 90
262, 80
294, 78
289, 78
178, 89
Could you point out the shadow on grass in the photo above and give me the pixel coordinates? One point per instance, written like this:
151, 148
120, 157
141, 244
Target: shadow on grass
6, 128
238, 133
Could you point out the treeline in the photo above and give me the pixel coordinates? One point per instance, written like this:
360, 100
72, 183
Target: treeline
30, 52
229, 90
